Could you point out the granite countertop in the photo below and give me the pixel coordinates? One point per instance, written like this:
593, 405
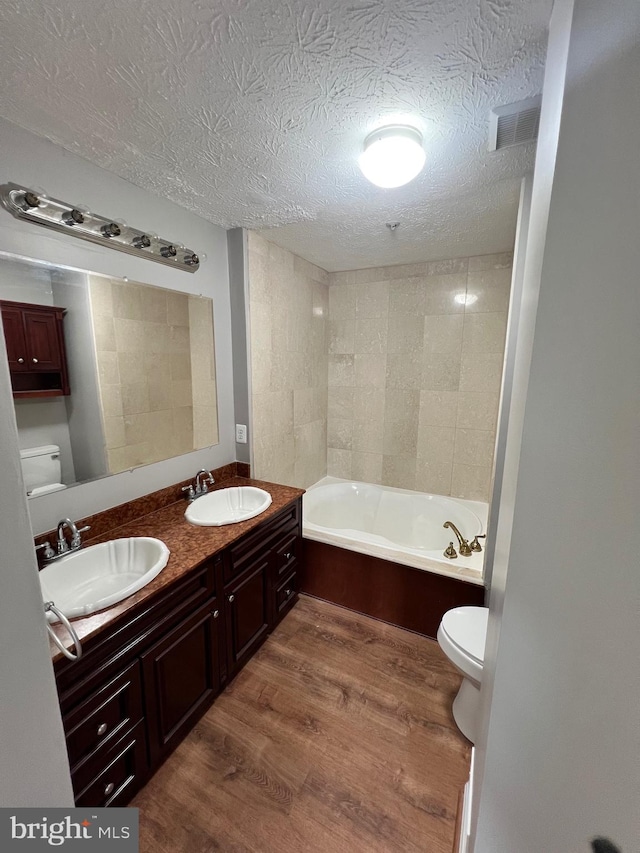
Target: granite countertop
189, 546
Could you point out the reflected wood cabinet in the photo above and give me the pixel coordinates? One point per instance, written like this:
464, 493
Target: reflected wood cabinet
144, 682
36, 353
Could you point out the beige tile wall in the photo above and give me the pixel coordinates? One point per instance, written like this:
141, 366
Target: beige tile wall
415, 365
203, 372
144, 356
288, 307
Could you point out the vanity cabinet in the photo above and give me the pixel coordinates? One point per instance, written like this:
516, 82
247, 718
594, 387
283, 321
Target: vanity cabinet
181, 678
35, 349
247, 613
143, 683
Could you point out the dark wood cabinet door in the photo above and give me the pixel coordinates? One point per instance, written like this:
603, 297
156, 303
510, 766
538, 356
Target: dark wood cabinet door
15, 339
247, 613
43, 343
35, 347
181, 679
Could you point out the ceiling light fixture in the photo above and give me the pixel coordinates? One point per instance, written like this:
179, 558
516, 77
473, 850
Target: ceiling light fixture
392, 156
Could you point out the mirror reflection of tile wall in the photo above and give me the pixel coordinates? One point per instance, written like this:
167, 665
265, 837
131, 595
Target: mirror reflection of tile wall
156, 371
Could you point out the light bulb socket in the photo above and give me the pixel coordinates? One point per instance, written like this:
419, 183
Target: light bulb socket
191, 259
142, 241
111, 229
73, 217
168, 251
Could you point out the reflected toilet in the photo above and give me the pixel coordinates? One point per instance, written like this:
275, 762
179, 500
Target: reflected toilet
41, 470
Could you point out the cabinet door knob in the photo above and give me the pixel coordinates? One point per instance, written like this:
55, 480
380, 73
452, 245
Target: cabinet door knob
108, 789
287, 592
231, 599
34, 360
216, 613
21, 361
102, 729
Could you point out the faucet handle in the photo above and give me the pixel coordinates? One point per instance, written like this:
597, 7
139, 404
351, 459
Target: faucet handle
475, 545
450, 552
48, 551
190, 492
76, 539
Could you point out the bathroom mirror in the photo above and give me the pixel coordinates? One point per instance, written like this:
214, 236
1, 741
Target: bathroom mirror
141, 374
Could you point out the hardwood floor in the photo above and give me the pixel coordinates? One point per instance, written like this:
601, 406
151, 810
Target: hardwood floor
337, 736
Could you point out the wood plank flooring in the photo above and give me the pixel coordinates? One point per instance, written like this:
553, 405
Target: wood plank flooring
337, 736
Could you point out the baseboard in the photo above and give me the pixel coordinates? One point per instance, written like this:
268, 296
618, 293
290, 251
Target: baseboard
459, 821
463, 822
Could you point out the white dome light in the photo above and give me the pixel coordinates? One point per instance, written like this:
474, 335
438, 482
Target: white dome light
392, 156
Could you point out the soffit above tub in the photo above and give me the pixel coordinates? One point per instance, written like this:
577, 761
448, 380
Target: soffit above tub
253, 112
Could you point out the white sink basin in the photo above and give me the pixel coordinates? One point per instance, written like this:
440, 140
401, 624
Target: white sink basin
228, 506
101, 575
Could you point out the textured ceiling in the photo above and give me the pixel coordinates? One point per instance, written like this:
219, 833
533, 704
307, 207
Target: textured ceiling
253, 112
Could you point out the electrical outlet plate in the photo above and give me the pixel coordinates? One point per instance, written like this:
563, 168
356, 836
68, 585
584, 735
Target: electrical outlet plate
241, 433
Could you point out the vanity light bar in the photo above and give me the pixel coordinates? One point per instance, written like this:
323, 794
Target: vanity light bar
32, 206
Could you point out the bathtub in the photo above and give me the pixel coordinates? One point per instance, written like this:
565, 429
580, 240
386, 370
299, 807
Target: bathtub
398, 525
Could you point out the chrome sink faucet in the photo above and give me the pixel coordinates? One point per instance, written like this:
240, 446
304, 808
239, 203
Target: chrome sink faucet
62, 546
200, 486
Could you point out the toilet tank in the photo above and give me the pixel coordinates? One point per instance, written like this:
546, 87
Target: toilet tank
41, 467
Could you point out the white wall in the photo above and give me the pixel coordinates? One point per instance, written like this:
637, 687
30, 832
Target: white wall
33, 756
82, 405
32, 161
506, 392
560, 743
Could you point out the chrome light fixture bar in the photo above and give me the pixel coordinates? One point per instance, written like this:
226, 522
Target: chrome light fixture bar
32, 206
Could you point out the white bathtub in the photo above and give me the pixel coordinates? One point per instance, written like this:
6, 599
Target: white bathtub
394, 524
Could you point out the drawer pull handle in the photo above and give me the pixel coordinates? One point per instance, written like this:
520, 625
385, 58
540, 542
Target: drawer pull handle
216, 613
102, 729
287, 592
21, 361
288, 555
108, 789
232, 598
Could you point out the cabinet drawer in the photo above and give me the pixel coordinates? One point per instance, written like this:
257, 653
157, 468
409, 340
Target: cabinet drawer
286, 551
103, 717
286, 593
256, 544
123, 770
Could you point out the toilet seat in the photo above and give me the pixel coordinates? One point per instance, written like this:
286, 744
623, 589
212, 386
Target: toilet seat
462, 635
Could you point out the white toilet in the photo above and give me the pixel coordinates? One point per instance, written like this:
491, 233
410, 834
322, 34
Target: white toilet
41, 470
461, 636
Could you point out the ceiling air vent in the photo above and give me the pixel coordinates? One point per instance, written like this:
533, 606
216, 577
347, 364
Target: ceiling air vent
514, 124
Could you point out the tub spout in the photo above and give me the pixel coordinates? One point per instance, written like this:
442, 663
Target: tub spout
464, 547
